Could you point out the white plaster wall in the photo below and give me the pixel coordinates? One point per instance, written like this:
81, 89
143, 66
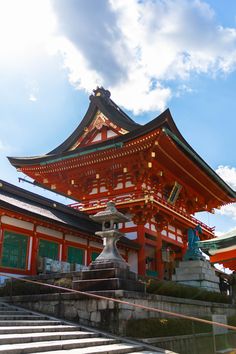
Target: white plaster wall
49, 232
17, 223
97, 137
133, 261
172, 236
95, 244
179, 239
75, 239
110, 133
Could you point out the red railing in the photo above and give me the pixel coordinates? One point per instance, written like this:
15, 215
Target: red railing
141, 195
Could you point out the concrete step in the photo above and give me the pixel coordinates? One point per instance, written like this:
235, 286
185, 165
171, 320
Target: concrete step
25, 332
7, 308
14, 312
40, 337
38, 329
21, 317
29, 323
117, 348
36, 347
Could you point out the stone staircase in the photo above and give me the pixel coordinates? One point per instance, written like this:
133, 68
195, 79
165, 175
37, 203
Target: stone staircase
22, 331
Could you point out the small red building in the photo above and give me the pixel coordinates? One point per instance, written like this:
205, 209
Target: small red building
32, 226
222, 249
149, 171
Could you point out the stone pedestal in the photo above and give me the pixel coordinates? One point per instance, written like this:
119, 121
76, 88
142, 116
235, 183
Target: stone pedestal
105, 277
197, 273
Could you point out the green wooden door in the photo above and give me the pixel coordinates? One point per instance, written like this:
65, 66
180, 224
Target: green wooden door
94, 255
75, 255
48, 249
14, 251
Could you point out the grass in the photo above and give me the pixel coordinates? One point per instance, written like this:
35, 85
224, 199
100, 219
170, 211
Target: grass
162, 327
169, 288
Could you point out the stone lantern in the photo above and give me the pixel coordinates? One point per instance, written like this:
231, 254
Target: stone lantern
110, 219
109, 272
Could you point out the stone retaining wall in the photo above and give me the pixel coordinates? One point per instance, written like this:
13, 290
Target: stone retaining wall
108, 315
195, 344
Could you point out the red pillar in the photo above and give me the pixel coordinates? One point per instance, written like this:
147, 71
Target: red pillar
160, 264
1, 240
185, 243
141, 253
63, 252
88, 255
34, 254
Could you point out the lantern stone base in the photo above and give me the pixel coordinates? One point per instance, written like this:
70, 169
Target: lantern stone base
197, 273
108, 263
111, 272
113, 278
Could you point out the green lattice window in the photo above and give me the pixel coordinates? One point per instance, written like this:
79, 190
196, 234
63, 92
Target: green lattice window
151, 273
48, 249
94, 255
14, 250
75, 255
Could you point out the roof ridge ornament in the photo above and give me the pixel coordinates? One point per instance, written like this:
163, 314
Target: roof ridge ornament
100, 91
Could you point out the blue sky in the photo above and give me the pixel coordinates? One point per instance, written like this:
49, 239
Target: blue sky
150, 54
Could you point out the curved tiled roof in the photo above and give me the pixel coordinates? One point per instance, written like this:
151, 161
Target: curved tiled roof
20, 200
25, 202
101, 101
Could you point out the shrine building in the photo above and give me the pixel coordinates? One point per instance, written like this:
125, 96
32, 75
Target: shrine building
149, 171
34, 227
222, 249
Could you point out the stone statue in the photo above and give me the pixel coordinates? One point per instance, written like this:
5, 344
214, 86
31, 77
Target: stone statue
193, 252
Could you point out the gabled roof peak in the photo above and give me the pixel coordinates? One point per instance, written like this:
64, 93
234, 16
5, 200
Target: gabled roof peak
102, 99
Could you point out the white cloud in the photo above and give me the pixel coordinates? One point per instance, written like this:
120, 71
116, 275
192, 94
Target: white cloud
228, 210
4, 147
221, 233
25, 26
33, 90
138, 48
32, 97
228, 174
182, 89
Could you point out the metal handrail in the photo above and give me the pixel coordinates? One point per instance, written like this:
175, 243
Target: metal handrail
101, 297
